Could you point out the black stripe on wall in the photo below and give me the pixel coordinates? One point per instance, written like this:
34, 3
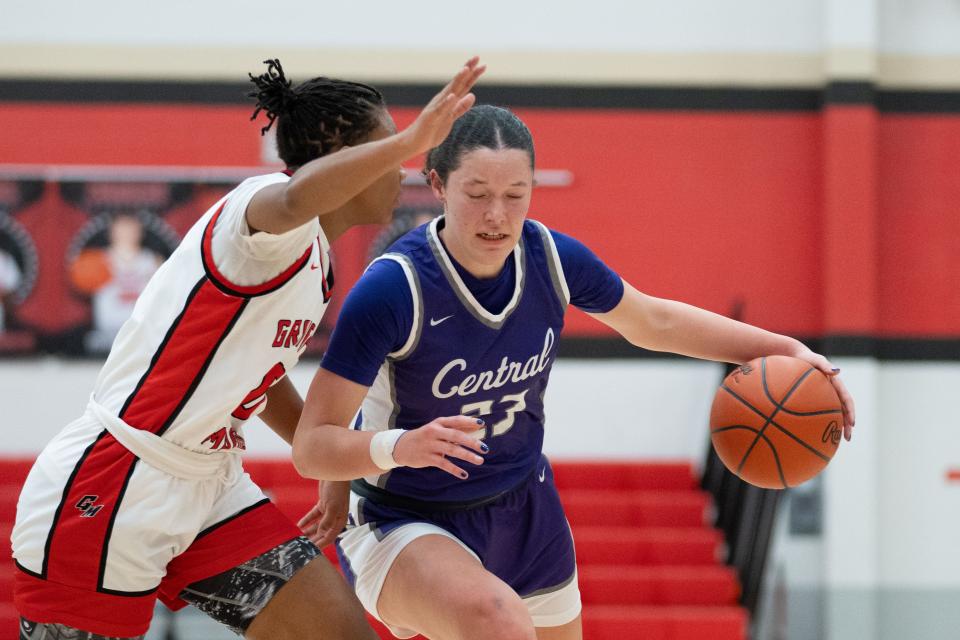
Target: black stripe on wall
653, 98
888, 349
674, 98
567, 97
847, 93
920, 101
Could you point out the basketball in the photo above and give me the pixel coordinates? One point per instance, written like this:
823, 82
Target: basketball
90, 270
776, 422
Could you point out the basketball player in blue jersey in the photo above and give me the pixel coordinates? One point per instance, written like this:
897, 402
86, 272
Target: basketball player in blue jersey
144, 495
461, 317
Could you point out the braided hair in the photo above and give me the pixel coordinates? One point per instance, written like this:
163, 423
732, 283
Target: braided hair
316, 117
483, 126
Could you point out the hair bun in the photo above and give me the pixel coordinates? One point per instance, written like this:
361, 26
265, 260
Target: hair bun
274, 93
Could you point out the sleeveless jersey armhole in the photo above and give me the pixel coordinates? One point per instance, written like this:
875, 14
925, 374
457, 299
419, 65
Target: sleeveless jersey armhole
553, 262
413, 281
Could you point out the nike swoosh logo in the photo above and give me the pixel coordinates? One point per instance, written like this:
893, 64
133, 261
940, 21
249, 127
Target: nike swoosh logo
314, 267
434, 323
543, 474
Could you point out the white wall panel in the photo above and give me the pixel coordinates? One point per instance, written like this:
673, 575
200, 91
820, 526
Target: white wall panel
851, 515
622, 409
919, 442
646, 41
605, 25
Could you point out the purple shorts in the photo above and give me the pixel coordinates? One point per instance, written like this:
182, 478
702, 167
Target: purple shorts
521, 536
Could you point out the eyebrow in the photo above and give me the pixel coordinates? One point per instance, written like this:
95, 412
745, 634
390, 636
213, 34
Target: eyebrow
521, 183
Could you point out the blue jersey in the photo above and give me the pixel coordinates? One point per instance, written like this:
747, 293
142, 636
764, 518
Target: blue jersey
441, 351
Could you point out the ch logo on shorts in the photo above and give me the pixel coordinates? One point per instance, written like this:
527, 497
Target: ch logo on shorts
87, 508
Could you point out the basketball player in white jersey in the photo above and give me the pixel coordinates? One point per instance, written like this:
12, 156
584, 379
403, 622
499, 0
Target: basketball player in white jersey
144, 495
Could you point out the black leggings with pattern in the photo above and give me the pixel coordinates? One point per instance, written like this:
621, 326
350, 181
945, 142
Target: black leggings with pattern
232, 598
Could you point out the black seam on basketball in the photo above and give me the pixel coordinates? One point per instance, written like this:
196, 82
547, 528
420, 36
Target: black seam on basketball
773, 449
774, 423
811, 413
806, 446
776, 459
790, 411
778, 425
781, 406
749, 450
766, 390
777, 405
734, 426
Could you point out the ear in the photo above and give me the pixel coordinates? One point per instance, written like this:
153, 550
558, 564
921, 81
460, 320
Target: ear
436, 185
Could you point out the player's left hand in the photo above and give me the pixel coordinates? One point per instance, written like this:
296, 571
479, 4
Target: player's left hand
833, 375
324, 522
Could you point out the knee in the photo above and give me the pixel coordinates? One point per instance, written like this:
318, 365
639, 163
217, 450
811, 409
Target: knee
496, 617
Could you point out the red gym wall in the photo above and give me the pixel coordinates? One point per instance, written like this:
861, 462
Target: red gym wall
841, 221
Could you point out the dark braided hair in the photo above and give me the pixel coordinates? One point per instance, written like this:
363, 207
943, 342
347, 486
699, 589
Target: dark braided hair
483, 126
315, 117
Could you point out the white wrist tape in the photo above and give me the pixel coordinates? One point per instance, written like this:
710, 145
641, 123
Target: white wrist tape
381, 448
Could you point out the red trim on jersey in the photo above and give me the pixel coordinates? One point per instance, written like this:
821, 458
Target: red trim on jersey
76, 544
181, 361
206, 252
40, 600
327, 277
219, 548
226, 546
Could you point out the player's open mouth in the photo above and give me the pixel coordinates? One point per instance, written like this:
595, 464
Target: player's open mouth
492, 236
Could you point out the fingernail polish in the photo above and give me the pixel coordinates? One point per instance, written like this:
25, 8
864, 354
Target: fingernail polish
484, 447
835, 370
480, 421
463, 474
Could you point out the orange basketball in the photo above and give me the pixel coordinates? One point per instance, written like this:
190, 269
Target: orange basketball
776, 422
90, 270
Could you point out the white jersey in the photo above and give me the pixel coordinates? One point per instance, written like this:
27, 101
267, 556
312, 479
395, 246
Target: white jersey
98, 536
223, 319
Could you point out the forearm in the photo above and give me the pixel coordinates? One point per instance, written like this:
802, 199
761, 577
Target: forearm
330, 452
325, 449
325, 184
284, 406
691, 331
329, 182
658, 324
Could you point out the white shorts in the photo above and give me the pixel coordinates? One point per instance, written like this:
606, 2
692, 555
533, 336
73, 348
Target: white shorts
100, 534
366, 555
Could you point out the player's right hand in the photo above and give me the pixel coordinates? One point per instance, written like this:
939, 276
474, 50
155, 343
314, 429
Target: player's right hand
439, 441
832, 373
435, 121
324, 522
